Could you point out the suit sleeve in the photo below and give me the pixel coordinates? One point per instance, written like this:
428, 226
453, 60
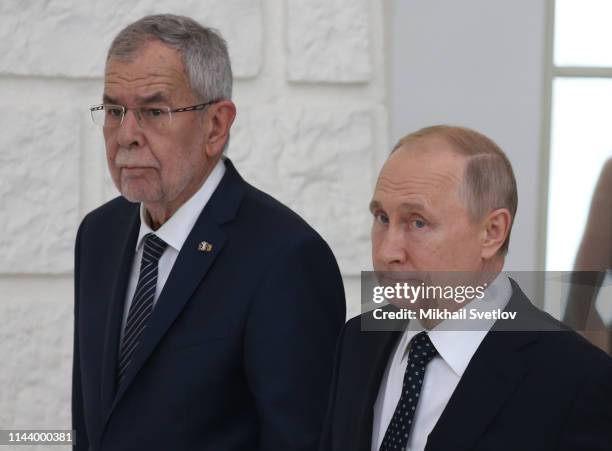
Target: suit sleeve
294, 321
78, 420
589, 423
326, 436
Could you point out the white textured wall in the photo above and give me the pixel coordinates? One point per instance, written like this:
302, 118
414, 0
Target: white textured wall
311, 130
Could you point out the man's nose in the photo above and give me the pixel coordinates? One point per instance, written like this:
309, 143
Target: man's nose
130, 133
392, 248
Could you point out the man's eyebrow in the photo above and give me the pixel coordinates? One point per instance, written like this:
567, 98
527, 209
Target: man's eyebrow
412, 206
153, 98
405, 206
108, 99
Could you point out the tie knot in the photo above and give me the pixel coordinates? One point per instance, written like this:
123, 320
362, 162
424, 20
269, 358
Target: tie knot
154, 247
422, 349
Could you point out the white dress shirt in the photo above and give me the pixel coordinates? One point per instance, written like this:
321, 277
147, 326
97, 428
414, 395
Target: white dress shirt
456, 342
174, 232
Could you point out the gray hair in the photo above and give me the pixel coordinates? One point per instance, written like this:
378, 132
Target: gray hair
204, 51
488, 182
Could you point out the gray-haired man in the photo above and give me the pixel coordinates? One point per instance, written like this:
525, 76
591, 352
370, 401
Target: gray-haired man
206, 313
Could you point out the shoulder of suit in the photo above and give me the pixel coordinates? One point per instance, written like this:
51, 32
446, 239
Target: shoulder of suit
575, 351
555, 338
114, 209
354, 323
361, 327
258, 207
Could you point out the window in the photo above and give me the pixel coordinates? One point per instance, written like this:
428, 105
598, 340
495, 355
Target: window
581, 121
580, 134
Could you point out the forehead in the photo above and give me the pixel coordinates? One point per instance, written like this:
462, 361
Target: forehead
154, 68
428, 172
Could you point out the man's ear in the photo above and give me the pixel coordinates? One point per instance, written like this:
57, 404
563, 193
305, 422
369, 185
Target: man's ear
220, 118
495, 229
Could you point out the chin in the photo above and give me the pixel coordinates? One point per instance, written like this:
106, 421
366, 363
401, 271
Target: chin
132, 199
136, 191
138, 196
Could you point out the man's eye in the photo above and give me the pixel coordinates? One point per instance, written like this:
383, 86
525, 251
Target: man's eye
381, 218
153, 112
114, 112
419, 223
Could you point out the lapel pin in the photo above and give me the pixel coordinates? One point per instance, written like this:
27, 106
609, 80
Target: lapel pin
205, 246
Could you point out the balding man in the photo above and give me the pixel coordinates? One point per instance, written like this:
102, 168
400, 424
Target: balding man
443, 208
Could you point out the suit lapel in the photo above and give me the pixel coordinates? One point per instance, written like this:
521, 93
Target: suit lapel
374, 357
127, 231
491, 377
189, 270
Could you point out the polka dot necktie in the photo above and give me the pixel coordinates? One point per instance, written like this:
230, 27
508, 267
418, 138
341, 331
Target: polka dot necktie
420, 354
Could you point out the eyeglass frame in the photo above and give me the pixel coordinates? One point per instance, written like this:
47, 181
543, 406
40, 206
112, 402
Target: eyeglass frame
100, 107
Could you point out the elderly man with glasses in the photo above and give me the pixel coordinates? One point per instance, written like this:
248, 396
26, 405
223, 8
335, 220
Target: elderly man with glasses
206, 313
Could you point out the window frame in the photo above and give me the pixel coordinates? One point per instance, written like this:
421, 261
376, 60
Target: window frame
551, 73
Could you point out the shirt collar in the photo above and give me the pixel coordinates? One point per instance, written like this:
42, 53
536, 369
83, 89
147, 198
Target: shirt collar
456, 340
176, 229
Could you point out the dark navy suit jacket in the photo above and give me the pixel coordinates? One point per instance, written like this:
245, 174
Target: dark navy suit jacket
539, 388
238, 353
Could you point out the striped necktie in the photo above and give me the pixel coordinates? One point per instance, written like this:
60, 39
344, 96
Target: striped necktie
142, 302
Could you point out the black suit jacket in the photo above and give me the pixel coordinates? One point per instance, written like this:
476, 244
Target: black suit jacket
238, 353
542, 388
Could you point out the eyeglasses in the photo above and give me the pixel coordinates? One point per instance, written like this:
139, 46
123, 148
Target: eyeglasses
156, 118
